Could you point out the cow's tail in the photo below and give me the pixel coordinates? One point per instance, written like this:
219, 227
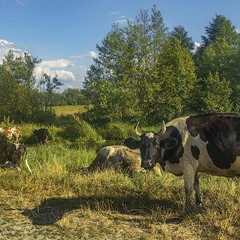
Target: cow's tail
26, 162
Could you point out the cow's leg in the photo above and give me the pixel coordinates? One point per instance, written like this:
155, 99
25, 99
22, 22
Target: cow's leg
197, 190
189, 176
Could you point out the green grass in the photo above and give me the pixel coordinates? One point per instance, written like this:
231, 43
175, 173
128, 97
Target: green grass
111, 205
57, 202
68, 110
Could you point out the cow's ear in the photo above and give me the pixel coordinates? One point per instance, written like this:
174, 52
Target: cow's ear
131, 143
169, 143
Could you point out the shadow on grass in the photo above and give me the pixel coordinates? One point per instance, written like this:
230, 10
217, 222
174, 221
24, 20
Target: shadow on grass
52, 210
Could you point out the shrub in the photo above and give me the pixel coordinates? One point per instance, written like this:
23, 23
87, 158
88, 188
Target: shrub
44, 117
81, 130
115, 131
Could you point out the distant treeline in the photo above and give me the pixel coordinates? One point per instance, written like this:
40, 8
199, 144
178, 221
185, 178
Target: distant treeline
143, 72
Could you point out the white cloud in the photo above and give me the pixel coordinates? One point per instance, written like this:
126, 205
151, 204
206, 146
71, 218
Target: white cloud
6, 46
70, 72
62, 75
59, 63
121, 20
114, 13
196, 46
90, 54
55, 68
5, 43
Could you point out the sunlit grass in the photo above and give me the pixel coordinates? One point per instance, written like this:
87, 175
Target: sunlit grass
110, 204
68, 110
142, 205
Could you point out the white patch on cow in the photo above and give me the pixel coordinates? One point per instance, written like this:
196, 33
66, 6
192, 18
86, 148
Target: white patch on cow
149, 135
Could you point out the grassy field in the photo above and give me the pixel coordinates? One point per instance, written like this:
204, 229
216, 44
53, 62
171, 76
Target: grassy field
68, 110
57, 202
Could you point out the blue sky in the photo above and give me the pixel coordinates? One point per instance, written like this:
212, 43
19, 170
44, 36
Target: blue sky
64, 33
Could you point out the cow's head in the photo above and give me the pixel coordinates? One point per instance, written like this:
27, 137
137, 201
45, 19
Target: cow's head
16, 153
152, 146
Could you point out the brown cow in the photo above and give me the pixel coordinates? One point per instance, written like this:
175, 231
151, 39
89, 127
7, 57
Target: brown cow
118, 157
13, 154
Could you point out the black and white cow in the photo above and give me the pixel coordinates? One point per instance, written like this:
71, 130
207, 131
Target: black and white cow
206, 143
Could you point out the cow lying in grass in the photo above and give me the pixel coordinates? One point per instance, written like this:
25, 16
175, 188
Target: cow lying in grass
11, 155
118, 157
42, 135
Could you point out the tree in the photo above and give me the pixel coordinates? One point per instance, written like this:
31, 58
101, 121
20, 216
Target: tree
219, 55
181, 34
49, 85
74, 96
215, 95
119, 76
220, 28
176, 82
17, 86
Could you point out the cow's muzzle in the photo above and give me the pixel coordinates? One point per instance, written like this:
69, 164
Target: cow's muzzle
148, 164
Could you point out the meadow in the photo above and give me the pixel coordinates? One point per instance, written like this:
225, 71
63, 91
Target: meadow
56, 201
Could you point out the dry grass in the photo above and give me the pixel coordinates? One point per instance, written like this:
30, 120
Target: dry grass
56, 202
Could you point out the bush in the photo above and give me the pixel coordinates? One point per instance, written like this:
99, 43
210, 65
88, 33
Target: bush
44, 117
115, 131
81, 130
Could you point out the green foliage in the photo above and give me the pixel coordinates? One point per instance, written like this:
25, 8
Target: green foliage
172, 92
181, 34
220, 28
16, 86
115, 131
44, 117
74, 97
215, 94
81, 131
48, 86
217, 58
115, 82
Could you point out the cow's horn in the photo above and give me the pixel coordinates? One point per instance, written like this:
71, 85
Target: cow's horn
164, 128
135, 129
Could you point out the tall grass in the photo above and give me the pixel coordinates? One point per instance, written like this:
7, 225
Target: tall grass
142, 205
